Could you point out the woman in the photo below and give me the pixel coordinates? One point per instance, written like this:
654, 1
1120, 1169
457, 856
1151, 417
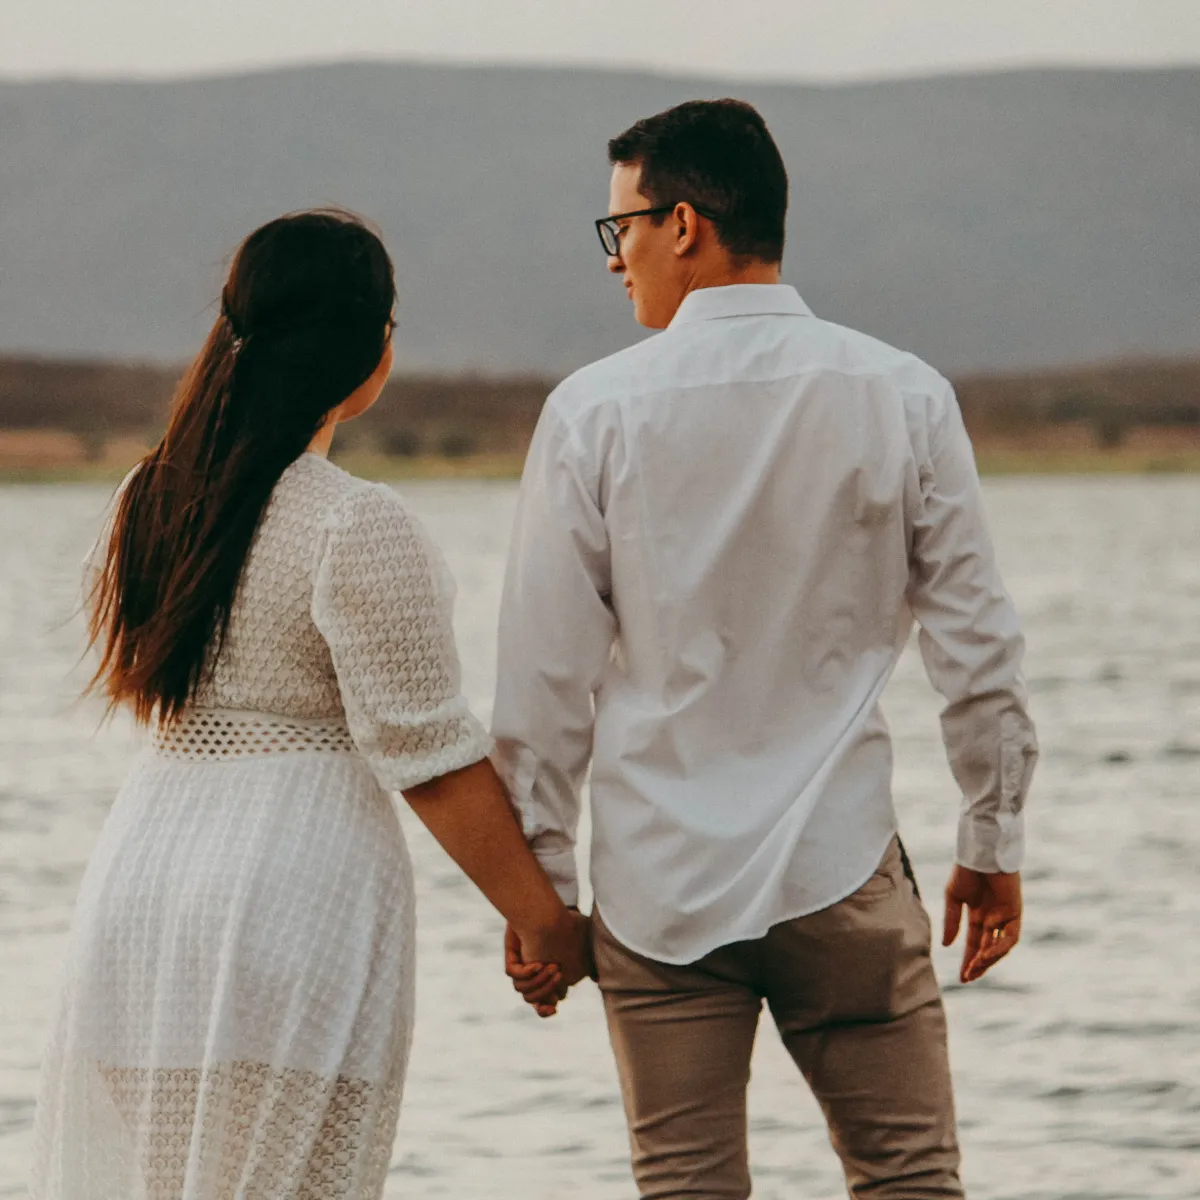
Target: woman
239, 993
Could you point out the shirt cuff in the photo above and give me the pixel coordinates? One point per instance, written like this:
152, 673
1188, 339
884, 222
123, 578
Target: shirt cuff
560, 866
991, 844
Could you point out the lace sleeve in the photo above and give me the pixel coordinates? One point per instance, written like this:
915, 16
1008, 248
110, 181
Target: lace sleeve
383, 600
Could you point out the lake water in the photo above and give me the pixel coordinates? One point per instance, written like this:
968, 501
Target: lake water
1077, 1062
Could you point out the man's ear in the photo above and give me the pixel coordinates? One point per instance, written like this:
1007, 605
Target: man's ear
687, 228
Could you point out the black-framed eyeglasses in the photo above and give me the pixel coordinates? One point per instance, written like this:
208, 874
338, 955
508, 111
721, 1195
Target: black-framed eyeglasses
609, 229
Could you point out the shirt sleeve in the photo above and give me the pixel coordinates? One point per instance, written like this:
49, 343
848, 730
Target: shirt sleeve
556, 634
972, 646
383, 602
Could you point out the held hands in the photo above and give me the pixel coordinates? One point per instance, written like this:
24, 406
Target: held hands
543, 966
993, 904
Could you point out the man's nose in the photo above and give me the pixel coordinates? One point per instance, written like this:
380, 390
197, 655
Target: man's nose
615, 265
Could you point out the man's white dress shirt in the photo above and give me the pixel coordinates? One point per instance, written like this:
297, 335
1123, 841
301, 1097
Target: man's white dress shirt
723, 536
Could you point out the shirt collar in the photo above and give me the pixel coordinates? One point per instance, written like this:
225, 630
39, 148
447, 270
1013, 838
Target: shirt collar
740, 300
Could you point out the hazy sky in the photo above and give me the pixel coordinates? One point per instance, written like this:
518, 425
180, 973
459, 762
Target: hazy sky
787, 39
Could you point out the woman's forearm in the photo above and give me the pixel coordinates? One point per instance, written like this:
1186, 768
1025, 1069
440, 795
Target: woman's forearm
468, 812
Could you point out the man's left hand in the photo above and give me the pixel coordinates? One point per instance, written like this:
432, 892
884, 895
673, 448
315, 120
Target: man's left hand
993, 904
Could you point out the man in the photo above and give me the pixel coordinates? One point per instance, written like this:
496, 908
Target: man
723, 536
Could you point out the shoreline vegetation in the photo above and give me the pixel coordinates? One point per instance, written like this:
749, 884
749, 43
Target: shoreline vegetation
992, 460
63, 422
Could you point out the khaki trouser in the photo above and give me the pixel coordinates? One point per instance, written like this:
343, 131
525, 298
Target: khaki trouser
853, 994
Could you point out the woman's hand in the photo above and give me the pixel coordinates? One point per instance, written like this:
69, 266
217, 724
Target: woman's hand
544, 963
468, 812
547, 946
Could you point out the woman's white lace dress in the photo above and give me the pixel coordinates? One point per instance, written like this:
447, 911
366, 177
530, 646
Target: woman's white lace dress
238, 999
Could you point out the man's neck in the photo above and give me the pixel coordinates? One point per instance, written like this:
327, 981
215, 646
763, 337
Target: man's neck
728, 274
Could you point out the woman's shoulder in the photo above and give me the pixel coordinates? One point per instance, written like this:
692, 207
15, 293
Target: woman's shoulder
371, 540
371, 517
339, 497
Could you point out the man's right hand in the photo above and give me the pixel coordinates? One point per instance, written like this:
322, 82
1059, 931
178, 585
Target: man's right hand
993, 904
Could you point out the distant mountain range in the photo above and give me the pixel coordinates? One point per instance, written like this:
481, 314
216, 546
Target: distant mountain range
993, 221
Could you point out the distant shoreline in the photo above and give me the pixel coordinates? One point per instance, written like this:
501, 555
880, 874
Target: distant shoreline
81, 421
993, 461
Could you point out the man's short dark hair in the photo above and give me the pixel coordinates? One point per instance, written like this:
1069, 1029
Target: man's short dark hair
719, 156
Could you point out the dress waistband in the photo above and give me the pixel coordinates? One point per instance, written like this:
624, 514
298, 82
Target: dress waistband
210, 734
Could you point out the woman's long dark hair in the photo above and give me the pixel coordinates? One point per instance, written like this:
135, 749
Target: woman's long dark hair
305, 319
